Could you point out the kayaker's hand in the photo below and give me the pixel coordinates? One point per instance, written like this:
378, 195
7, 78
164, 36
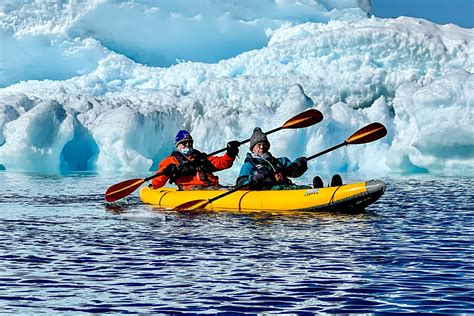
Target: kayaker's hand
199, 157
258, 179
172, 171
302, 163
297, 168
233, 148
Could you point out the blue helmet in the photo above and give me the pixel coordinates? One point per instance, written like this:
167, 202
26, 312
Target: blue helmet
183, 135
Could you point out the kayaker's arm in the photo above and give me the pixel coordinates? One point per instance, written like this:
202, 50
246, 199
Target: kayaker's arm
254, 180
221, 162
245, 175
166, 172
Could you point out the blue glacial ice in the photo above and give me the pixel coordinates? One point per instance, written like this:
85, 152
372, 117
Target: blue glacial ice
104, 85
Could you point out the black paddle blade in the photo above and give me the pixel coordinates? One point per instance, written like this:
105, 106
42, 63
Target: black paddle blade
122, 189
367, 134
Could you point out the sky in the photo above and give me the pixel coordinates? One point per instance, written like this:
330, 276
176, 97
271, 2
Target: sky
460, 12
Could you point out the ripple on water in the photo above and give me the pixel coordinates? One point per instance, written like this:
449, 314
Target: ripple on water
64, 250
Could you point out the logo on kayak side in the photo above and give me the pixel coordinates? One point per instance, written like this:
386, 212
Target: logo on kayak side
311, 192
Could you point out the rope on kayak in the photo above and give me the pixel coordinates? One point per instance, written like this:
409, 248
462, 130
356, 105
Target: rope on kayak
331, 200
162, 196
241, 198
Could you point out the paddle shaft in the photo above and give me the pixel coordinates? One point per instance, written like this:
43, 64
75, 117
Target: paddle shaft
245, 141
240, 187
327, 150
153, 176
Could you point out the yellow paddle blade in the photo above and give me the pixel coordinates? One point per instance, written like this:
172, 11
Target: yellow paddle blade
191, 205
122, 189
367, 134
305, 119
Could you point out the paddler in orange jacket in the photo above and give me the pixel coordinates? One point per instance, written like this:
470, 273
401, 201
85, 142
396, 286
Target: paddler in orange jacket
191, 169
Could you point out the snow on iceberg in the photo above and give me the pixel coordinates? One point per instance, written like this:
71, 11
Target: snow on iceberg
434, 125
71, 37
82, 133
118, 115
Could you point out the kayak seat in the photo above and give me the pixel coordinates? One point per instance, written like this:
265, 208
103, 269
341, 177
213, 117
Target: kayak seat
317, 182
336, 180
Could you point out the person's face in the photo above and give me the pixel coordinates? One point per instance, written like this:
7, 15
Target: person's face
185, 144
260, 148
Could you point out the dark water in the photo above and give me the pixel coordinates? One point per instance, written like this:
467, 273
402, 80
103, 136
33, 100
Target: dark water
63, 251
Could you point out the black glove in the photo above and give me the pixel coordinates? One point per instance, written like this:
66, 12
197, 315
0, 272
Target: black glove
297, 168
233, 148
257, 179
171, 171
302, 163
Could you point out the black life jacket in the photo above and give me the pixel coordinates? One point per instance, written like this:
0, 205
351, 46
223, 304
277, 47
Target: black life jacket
194, 162
268, 167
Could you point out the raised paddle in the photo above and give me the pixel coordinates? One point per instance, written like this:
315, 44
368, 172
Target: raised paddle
124, 188
304, 119
364, 135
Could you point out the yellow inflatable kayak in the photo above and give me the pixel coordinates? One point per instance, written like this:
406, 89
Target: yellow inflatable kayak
345, 198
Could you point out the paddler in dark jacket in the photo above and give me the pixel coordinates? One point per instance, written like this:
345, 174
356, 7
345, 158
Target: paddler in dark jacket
191, 169
263, 171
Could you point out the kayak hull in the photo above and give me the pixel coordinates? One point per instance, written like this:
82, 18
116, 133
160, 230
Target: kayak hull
346, 198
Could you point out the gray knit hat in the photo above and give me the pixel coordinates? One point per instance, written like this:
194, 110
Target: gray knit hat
258, 137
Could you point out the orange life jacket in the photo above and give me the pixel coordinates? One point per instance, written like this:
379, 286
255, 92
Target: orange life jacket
199, 174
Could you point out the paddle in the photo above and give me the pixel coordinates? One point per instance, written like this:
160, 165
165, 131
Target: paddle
304, 119
364, 135
124, 188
